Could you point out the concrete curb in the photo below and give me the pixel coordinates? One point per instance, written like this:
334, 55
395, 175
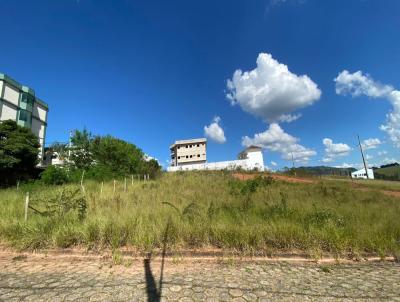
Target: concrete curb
79, 255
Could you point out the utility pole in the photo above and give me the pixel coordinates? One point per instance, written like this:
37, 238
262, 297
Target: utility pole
362, 155
294, 171
69, 151
69, 146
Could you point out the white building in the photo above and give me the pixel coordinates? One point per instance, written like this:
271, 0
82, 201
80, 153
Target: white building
189, 152
19, 103
250, 159
361, 174
53, 158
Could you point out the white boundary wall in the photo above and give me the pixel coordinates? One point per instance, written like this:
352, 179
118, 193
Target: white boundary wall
253, 161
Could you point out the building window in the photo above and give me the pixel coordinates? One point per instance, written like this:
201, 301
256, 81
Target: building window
198, 155
198, 145
26, 101
187, 146
191, 156
179, 157
24, 118
187, 156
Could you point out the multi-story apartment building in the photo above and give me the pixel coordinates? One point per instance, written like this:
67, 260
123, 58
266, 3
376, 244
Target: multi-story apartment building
190, 151
19, 103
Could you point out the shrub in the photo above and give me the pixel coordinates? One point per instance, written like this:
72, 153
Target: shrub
58, 205
54, 175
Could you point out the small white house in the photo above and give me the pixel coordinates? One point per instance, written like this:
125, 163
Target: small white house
361, 174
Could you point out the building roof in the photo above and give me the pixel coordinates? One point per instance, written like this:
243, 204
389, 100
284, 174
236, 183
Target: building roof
361, 171
252, 148
10, 81
189, 141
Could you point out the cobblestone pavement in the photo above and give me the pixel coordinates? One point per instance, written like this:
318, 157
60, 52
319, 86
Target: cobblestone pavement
54, 278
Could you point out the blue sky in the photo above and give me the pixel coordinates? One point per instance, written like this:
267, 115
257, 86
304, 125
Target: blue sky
151, 72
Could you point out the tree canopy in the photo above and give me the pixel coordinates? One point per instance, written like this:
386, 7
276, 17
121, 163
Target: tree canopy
107, 156
19, 149
81, 154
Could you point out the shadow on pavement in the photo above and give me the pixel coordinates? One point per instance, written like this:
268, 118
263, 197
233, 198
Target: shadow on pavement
154, 293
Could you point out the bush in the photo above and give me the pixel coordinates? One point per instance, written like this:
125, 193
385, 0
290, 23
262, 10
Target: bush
54, 176
60, 203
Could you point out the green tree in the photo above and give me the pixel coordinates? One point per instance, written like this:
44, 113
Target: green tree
105, 157
117, 155
81, 153
19, 149
150, 167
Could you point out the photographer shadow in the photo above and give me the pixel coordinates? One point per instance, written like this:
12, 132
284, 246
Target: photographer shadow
154, 292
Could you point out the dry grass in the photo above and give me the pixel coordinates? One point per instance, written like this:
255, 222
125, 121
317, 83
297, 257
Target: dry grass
207, 209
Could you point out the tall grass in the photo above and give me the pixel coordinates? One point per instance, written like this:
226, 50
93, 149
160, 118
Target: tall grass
206, 209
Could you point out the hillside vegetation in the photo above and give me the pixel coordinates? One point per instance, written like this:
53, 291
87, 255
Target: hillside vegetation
390, 173
203, 210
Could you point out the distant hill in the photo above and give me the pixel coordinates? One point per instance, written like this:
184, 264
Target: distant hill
323, 170
389, 172
390, 165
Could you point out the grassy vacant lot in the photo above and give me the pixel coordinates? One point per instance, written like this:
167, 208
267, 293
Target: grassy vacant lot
206, 210
392, 173
371, 184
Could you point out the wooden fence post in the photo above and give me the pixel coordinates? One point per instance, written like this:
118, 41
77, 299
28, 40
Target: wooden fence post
83, 175
17, 185
125, 185
26, 205
132, 179
82, 187
114, 187
101, 189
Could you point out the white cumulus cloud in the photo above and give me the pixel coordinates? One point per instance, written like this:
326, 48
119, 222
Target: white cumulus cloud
271, 91
357, 84
332, 150
273, 163
388, 160
214, 131
371, 143
275, 139
392, 126
345, 165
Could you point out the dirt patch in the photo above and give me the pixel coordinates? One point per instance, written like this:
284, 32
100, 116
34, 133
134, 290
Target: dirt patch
243, 176
386, 192
391, 193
